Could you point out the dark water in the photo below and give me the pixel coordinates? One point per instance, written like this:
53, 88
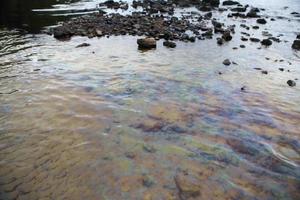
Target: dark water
32, 16
111, 122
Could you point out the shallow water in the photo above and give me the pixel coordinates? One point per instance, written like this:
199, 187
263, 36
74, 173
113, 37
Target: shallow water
111, 122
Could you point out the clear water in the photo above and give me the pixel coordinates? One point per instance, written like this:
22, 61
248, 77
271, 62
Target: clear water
111, 122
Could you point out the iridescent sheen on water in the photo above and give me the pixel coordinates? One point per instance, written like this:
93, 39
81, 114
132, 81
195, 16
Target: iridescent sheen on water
108, 121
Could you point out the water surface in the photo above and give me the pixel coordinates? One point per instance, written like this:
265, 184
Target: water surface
111, 122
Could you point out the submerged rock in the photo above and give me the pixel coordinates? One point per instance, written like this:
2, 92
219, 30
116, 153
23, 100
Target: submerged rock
146, 43
291, 83
227, 62
296, 45
230, 3
266, 42
261, 21
83, 45
169, 44
188, 186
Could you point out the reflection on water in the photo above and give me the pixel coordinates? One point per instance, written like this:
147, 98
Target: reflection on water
111, 122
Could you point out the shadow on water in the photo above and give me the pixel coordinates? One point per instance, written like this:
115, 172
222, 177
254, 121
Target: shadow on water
20, 14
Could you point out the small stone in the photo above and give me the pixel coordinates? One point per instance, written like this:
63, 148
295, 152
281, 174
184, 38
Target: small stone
227, 62
220, 41
243, 88
261, 21
83, 45
242, 46
254, 39
291, 83
266, 42
230, 3
281, 69
264, 72
146, 43
149, 148
296, 45
99, 33
188, 186
227, 36
169, 44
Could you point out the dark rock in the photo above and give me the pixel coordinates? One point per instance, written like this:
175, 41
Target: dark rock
252, 39
227, 36
264, 72
266, 42
62, 32
230, 3
243, 88
239, 9
291, 83
146, 43
261, 21
244, 39
257, 68
298, 36
281, 69
220, 41
226, 62
253, 13
296, 45
242, 46
169, 44
83, 45
213, 3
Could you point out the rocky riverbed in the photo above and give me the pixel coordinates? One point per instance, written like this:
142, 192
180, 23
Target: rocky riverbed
209, 110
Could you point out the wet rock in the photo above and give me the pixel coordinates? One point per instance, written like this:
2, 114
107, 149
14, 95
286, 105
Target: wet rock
252, 39
298, 36
130, 155
169, 44
187, 185
291, 83
230, 3
220, 41
244, 39
266, 42
83, 45
227, 36
62, 32
213, 3
146, 43
242, 46
226, 62
149, 148
255, 27
253, 13
296, 45
114, 5
239, 9
264, 72
261, 21
281, 69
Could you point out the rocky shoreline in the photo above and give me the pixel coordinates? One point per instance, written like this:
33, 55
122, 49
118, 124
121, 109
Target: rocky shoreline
158, 19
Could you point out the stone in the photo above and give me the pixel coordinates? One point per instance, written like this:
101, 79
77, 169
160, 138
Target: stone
83, 45
62, 32
253, 13
188, 186
252, 39
266, 42
227, 62
291, 83
296, 45
261, 21
227, 36
264, 72
169, 44
146, 43
230, 3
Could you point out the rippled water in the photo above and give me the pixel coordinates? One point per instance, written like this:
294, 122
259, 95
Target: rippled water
111, 122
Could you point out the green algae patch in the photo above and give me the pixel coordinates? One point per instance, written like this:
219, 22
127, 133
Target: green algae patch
173, 149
